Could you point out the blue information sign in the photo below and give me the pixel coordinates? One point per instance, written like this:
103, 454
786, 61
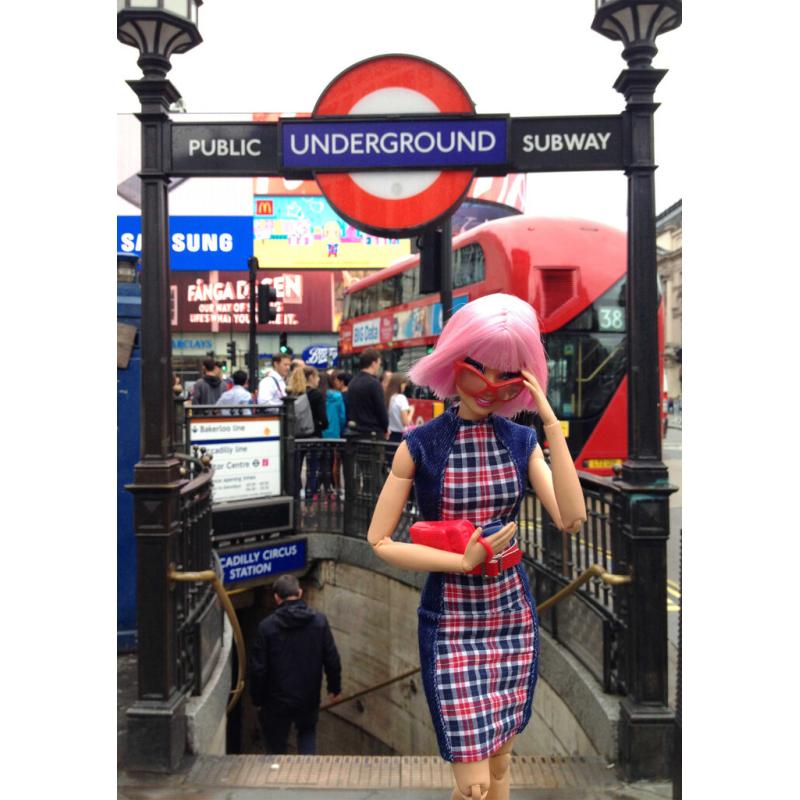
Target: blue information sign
393, 143
263, 561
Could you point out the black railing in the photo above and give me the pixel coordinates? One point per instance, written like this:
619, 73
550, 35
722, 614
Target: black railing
194, 605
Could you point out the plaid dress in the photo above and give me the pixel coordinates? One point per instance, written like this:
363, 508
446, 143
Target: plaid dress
478, 636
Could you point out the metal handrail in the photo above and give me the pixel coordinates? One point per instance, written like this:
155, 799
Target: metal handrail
593, 570
211, 576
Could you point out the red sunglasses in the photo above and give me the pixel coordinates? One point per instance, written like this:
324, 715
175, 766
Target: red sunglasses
474, 383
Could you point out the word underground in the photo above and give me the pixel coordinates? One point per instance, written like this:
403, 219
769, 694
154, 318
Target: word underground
391, 142
564, 141
257, 562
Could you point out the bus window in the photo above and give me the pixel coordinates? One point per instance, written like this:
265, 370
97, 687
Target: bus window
407, 357
348, 310
409, 287
607, 313
586, 358
387, 292
584, 371
468, 265
369, 302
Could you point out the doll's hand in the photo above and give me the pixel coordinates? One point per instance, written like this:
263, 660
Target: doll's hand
475, 553
542, 406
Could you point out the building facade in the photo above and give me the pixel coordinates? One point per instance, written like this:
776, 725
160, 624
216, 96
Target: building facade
669, 230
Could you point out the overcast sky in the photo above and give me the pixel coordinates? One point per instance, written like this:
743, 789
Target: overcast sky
532, 58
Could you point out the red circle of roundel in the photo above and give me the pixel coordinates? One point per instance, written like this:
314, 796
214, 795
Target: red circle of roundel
343, 193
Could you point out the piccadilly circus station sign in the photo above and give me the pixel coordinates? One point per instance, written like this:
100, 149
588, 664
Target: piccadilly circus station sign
394, 143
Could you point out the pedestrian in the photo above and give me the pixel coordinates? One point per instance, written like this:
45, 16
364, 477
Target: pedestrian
385, 380
237, 396
339, 381
366, 406
398, 408
292, 647
337, 419
209, 388
316, 399
272, 387
177, 387
478, 630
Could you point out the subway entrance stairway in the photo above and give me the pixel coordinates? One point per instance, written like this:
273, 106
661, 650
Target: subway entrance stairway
348, 777
241, 777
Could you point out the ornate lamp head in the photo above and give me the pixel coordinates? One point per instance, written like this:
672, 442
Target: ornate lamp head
158, 28
636, 23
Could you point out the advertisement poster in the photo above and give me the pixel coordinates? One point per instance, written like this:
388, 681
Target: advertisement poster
205, 302
247, 455
305, 233
196, 243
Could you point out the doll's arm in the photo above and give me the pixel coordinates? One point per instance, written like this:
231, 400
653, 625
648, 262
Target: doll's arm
418, 557
560, 489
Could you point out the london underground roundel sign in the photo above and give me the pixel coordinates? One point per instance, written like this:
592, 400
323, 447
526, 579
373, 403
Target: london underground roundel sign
400, 202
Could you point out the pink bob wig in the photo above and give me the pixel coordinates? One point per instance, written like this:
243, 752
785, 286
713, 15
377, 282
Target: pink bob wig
498, 330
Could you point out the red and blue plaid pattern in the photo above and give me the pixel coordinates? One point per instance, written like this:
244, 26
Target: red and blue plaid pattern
486, 636
480, 482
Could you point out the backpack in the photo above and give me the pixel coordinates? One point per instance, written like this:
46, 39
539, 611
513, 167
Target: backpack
303, 419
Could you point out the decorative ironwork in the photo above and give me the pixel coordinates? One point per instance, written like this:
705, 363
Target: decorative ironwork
191, 601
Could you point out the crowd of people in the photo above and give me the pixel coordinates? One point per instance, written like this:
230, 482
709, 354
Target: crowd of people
328, 404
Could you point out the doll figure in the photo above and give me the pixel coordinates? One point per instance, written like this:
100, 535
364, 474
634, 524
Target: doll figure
478, 633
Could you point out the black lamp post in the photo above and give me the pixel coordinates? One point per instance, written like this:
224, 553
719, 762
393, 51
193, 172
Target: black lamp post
646, 721
156, 722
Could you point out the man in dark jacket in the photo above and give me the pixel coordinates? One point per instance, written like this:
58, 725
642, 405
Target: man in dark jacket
366, 404
210, 387
292, 646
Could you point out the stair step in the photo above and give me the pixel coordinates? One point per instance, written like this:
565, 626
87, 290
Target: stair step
387, 772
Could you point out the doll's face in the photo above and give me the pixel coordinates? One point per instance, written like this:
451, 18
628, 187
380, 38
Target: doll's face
479, 398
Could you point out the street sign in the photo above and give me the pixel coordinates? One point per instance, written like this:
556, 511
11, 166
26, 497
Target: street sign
396, 202
231, 148
563, 144
262, 561
393, 143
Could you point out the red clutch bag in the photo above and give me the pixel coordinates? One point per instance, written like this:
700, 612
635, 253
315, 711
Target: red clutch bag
452, 535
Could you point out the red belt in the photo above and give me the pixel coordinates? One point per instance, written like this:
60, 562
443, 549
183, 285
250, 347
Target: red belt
501, 562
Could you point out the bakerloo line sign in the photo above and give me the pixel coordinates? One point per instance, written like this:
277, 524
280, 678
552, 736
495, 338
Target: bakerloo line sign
394, 143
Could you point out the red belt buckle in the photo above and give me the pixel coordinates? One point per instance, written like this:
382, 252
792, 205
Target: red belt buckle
508, 558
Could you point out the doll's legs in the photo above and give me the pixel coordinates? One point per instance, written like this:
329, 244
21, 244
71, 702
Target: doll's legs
472, 779
499, 763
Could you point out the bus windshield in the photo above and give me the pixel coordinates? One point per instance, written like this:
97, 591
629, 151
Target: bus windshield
586, 358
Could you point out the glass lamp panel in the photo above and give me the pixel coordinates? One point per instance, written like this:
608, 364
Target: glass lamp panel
625, 17
142, 3
180, 8
646, 13
180, 44
148, 29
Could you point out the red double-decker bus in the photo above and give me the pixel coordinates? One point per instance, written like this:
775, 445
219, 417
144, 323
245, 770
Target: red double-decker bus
571, 271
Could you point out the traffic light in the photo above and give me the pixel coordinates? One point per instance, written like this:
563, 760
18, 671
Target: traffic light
232, 353
430, 262
266, 296
284, 348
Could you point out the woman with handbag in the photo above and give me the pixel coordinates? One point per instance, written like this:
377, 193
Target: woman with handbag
478, 631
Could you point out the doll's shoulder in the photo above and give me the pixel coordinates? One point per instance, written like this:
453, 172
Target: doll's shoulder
520, 435
431, 435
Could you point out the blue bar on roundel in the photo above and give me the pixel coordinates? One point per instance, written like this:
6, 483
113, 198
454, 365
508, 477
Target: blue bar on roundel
388, 144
